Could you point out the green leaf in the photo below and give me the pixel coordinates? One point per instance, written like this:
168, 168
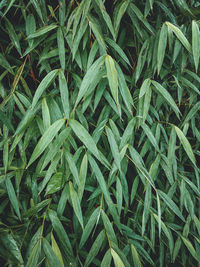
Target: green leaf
112, 77
195, 43
55, 184
13, 36
89, 226
4, 63
82, 176
124, 90
45, 114
135, 256
89, 78
97, 32
150, 136
118, 49
72, 167
7, 240
50, 254
191, 114
35, 254
76, 204
106, 259
37, 208
147, 206
56, 250
42, 31
64, 93
161, 90
108, 228
144, 88
117, 260
46, 139
190, 247
161, 46
186, 144
104, 189
62, 235
119, 14
63, 200
84, 136
61, 47
114, 148
170, 203
79, 35
48, 79
180, 36
106, 17
95, 248
12, 197
119, 195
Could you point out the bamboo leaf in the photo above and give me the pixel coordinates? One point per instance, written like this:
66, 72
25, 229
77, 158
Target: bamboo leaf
42, 31
50, 254
89, 226
46, 139
76, 204
161, 46
104, 188
89, 77
112, 77
114, 148
95, 248
35, 254
117, 260
170, 203
190, 247
82, 176
13, 36
150, 136
108, 228
135, 256
61, 47
62, 235
167, 97
12, 196
43, 86
186, 144
144, 88
195, 43
84, 136
180, 36
56, 250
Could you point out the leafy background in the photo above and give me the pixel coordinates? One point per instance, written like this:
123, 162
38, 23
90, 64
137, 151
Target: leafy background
100, 134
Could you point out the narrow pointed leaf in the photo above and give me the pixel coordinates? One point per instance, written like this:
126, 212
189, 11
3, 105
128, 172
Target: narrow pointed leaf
43, 86
76, 203
46, 139
167, 97
162, 46
186, 144
112, 77
84, 136
117, 260
180, 36
12, 196
42, 31
61, 47
170, 203
50, 254
195, 43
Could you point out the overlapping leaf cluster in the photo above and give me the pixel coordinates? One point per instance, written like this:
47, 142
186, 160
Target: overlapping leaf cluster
100, 134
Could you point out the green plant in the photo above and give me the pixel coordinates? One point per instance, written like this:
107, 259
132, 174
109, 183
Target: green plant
99, 136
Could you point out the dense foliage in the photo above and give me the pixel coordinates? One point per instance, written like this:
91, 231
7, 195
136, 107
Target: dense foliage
100, 133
